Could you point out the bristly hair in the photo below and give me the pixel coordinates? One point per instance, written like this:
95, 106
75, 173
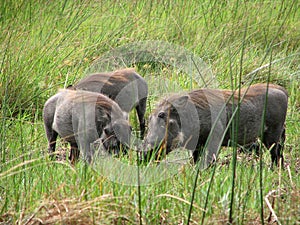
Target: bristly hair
205, 96
100, 100
124, 75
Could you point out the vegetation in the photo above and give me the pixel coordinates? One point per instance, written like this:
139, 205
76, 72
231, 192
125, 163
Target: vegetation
47, 45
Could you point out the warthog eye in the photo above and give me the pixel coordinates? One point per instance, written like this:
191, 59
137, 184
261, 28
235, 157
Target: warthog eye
161, 115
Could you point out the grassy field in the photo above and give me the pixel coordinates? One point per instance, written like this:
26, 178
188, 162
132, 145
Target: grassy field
47, 45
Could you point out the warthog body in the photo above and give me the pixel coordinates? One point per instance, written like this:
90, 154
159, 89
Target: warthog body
187, 120
125, 87
80, 118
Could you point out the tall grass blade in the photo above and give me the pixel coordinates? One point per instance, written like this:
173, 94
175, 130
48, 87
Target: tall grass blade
213, 172
261, 146
235, 127
139, 188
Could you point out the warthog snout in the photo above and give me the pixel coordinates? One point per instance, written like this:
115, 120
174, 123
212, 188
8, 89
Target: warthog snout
116, 137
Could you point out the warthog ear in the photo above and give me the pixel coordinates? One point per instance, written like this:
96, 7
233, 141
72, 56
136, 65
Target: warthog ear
102, 116
123, 132
179, 104
181, 101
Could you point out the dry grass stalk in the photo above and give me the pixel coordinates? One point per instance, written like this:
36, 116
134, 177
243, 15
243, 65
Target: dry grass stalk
100, 210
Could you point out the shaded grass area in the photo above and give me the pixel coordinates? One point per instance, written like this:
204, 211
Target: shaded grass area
48, 45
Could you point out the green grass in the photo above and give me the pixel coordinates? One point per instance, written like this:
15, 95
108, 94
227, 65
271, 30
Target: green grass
46, 45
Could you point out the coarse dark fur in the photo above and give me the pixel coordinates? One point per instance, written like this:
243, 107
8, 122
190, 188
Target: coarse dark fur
125, 87
187, 120
80, 118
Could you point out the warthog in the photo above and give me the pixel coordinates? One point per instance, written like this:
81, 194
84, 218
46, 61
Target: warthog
125, 87
188, 119
80, 118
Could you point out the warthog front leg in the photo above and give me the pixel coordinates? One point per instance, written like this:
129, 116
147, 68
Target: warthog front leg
74, 153
141, 109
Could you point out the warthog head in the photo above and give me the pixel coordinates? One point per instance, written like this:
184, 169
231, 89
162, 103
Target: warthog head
116, 137
164, 128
